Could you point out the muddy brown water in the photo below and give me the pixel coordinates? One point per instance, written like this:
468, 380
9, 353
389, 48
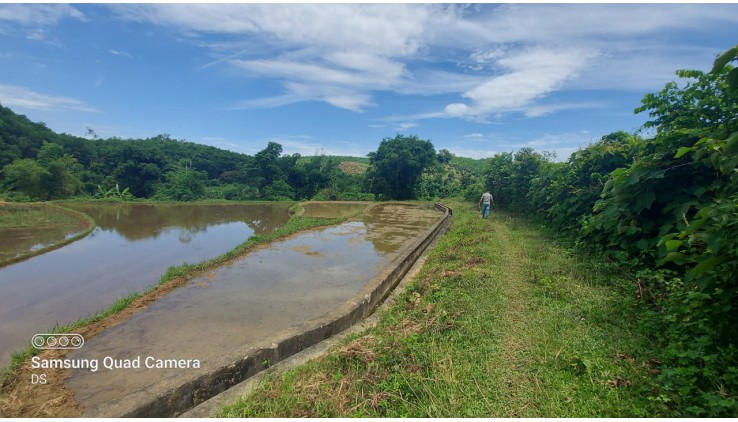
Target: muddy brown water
271, 289
129, 250
333, 209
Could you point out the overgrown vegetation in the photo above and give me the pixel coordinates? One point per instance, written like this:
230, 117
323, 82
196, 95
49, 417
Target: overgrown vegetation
502, 321
667, 206
33, 215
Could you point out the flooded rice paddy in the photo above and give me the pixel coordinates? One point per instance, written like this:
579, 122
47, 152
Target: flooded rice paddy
333, 209
26, 228
129, 250
214, 318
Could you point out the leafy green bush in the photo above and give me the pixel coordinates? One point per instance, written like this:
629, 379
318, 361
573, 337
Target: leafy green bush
668, 208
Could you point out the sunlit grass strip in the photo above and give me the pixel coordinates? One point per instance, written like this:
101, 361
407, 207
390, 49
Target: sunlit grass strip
502, 321
184, 271
86, 219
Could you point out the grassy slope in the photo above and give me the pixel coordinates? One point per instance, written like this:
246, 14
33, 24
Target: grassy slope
501, 322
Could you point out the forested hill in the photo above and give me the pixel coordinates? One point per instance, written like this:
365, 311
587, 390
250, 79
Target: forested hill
21, 138
39, 164
45, 165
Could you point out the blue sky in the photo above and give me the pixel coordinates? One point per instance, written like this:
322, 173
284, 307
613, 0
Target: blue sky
337, 79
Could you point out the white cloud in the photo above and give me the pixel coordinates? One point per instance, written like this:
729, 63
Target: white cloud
334, 53
588, 24
33, 20
120, 53
16, 96
38, 14
529, 75
544, 109
338, 87
497, 59
385, 30
402, 127
477, 145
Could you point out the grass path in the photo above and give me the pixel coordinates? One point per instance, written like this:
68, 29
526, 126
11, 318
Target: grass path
501, 322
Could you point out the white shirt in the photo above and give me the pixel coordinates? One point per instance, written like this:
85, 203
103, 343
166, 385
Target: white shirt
486, 198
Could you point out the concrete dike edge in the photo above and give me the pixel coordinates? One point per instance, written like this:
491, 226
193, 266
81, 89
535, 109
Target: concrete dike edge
180, 398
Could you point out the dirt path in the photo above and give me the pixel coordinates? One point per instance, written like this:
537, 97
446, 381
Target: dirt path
511, 265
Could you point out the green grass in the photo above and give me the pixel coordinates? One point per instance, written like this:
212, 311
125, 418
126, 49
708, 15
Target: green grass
502, 321
44, 215
16, 215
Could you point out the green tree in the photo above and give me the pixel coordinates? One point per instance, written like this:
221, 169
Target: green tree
63, 181
183, 183
27, 176
396, 166
445, 156
49, 152
279, 191
267, 164
566, 192
509, 176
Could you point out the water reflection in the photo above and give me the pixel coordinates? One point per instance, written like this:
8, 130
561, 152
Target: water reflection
391, 225
129, 250
19, 241
214, 318
141, 221
15, 242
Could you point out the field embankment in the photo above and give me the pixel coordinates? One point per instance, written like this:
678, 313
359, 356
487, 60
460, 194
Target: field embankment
502, 321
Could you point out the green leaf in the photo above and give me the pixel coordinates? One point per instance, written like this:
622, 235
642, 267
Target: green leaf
732, 79
642, 244
644, 200
731, 144
706, 265
667, 237
673, 245
724, 59
682, 151
677, 258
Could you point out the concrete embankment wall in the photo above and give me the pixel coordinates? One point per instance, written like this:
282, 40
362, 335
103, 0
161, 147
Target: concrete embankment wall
178, 399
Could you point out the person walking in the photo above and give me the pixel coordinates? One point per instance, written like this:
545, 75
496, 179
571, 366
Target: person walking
486, 202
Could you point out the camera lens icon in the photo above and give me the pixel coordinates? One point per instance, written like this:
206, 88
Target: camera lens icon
65, 341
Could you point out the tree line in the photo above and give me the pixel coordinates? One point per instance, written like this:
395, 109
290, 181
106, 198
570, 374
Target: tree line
668, 207
39, 164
